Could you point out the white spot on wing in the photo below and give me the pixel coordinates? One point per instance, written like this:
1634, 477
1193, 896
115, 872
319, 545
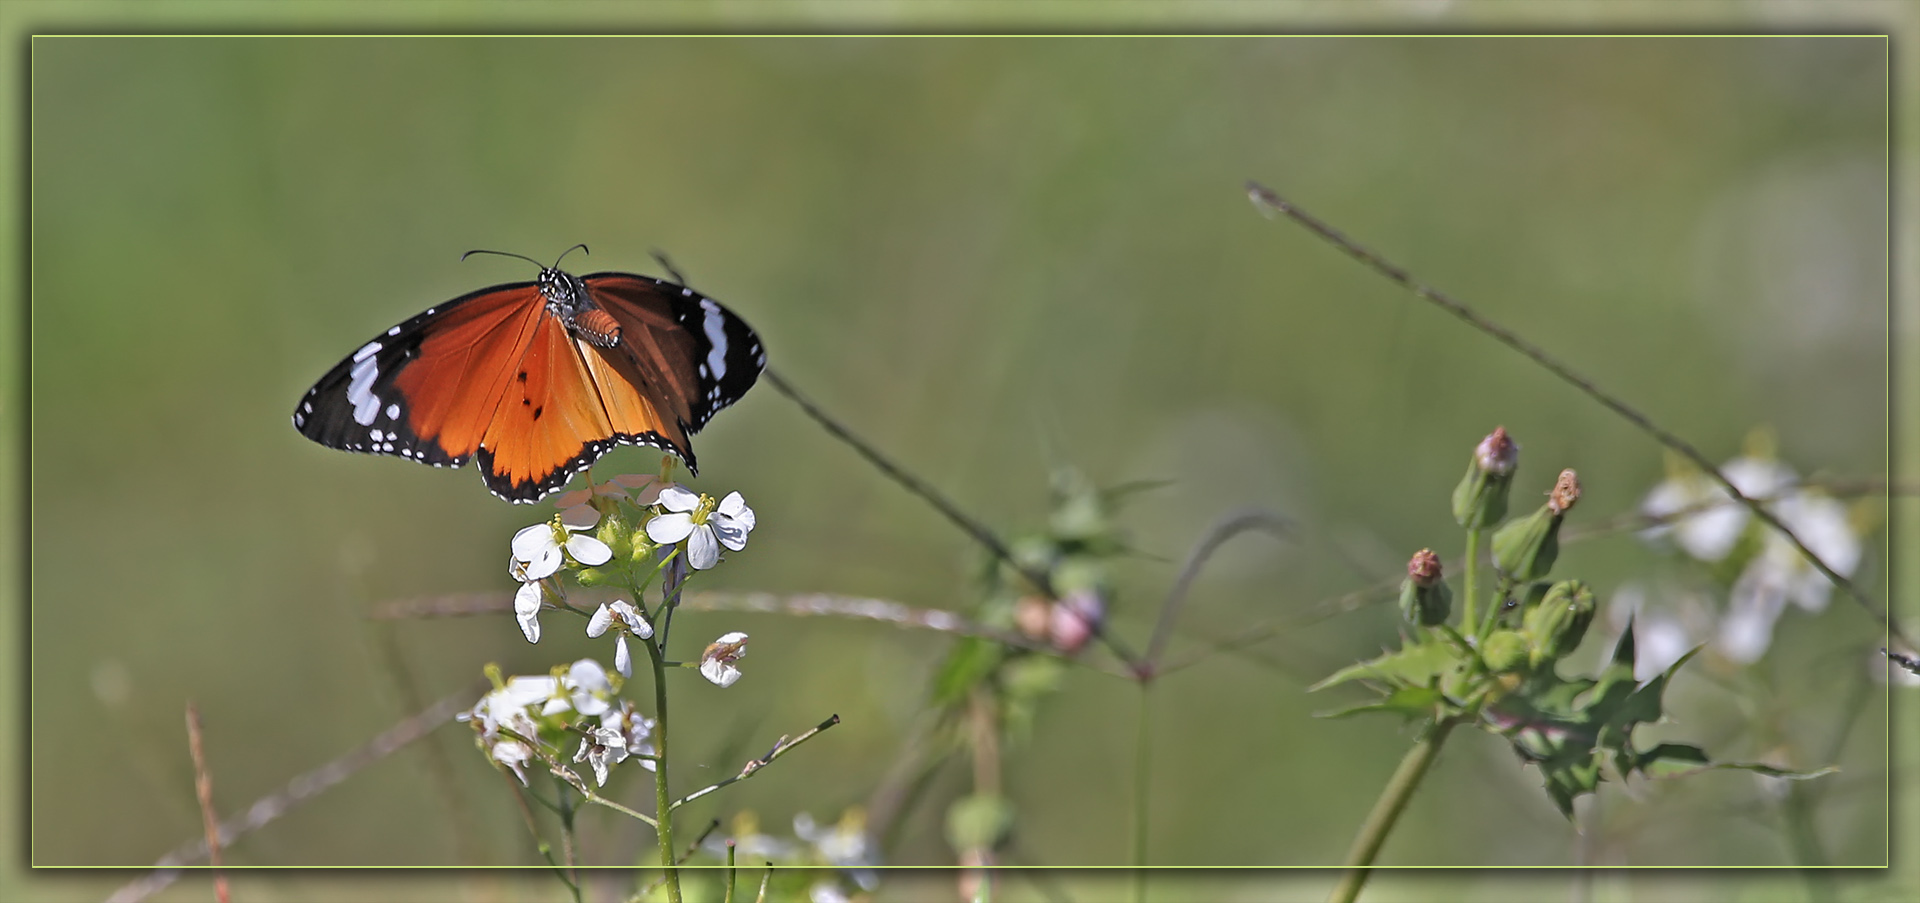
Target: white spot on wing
366, 351
715, 327
394, 331
360, 389
393, 412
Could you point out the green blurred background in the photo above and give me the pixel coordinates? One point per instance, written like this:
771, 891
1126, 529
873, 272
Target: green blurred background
990, 257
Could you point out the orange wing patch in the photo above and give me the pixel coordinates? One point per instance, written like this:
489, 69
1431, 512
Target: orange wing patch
631, 410
550, 417
456, 382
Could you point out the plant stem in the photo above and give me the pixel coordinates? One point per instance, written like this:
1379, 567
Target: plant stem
1141, 781
662, 800
1386, 811
1467, 620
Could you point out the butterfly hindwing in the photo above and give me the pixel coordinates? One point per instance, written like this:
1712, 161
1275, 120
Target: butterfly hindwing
707, 357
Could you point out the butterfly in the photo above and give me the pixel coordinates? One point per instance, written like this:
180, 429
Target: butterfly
536, 380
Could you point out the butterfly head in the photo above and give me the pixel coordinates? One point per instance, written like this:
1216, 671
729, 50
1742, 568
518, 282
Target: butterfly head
566, 294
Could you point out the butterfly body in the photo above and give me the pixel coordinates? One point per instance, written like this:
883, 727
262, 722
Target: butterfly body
536, 380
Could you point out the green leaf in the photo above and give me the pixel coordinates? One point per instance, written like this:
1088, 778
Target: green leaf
978, 822
1416, 666
971, 660
1677, 760
1408, 702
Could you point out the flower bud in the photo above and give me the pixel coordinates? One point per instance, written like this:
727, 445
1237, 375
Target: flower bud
1031, 615
1075, 619
1424, 598
1556, 626
1525, 549
1504, 651
1481, 498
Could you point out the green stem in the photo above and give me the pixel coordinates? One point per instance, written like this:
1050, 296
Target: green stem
1807, 852
1386, 811
1467, 619
1143, 747
662, 800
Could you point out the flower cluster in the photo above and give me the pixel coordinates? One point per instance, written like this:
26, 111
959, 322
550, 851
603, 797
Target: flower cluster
1760, 570
626, 532
524, 718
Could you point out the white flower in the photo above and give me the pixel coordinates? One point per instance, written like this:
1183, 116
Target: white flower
587, 688
1709, 534
540, 545
1777, 573
716, 663
507, 709
630, 620
634, 728
705, 529
526, 601
1780, 574
602, 748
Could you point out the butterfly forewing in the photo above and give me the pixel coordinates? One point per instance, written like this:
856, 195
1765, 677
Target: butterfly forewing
400, 391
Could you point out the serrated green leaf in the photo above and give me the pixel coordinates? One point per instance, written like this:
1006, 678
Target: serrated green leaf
1409, 702
1623, 651
1416, 666
1677, 760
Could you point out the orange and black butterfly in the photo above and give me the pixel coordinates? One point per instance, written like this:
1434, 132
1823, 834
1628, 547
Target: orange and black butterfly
538, 379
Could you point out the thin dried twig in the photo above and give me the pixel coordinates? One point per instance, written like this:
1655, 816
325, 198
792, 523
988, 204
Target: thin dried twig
967, 524
203, 788
302, 788
1264, 198
1227, 527
753, 766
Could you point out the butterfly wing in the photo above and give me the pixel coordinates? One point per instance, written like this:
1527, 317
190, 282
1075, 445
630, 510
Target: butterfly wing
498, 375
426, 389
694, 357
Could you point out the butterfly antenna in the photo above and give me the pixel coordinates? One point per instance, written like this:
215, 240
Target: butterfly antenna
563, 254
504, 254
666, 263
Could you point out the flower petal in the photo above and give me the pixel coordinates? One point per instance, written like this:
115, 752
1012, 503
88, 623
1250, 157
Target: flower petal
546, 564
526, 610
589, 551
570, 499
622, 660
669, 528
587, 674
601, 620
677, 498
527, 600
728, 529
579, 517
521, 692
636, 622
735, 506
530, 542
703, 550
721, 673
